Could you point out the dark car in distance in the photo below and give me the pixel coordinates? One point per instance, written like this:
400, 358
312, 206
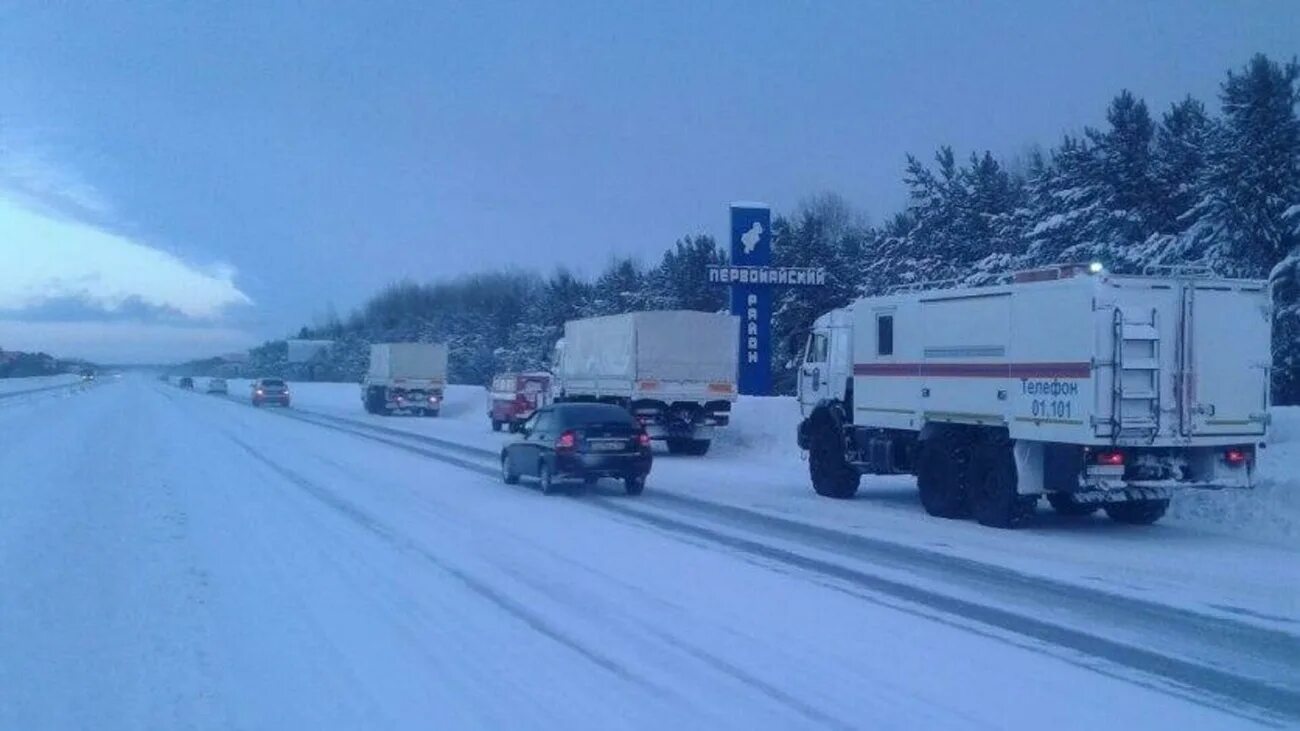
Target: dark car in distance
579, 441
186, 382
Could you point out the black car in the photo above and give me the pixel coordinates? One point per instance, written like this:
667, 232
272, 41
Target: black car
579, 442
186, 382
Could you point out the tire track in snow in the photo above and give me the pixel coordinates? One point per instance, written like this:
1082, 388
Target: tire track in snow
1202, 682
406, 545
708, 659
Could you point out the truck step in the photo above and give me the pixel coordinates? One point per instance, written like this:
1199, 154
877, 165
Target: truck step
1139, 331
1141, 364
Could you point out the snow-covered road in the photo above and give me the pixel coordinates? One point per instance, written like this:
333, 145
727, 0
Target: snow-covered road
173, 560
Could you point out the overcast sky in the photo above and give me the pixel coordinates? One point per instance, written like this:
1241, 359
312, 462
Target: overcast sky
182, 179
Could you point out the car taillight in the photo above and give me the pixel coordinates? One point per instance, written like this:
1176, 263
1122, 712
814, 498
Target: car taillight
1113, 459
567, 440
643, 439
1235, 456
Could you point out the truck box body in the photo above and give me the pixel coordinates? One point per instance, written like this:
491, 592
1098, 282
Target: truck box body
405, 376
670, 355
1089, 359
675, 370
408, 361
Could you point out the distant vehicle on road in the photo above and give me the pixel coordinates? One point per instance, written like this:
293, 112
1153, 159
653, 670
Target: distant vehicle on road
580, 441
515, 396
218, 385
406, 377
270, 391
186, 382
87, 375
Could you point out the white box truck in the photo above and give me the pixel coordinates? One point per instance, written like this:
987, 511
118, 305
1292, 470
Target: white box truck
674, 370
1092, 389
409, 377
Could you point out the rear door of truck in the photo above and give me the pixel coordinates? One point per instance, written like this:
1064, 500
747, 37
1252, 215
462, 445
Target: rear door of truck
1228, 352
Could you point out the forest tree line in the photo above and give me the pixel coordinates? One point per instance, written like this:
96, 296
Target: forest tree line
1187, 184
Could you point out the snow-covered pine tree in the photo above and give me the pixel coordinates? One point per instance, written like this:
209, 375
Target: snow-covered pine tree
1179, 159
620, 288
681, 279
1253, 175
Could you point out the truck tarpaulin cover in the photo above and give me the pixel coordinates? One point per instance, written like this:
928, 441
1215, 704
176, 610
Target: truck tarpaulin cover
667, 346
408, 360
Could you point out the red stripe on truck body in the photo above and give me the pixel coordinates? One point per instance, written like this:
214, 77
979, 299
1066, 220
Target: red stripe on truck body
976, 370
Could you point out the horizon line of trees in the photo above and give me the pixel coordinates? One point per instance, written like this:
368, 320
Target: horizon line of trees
1180, 186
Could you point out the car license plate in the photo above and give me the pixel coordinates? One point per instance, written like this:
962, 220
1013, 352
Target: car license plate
606, 446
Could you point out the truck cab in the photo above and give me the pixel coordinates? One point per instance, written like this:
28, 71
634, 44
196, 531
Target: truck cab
826, 373
516, 396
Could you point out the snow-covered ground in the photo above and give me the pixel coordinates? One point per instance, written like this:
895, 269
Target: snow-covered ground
1230, 554
177, 560
762, 433
13, 386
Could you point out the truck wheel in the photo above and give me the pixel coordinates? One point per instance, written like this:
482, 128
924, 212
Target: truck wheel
545, 479
691, 447
832, 475
1137, 512
698, 447
941, 479
496, 425
1063, 503
508, 475
993, 497
375, 402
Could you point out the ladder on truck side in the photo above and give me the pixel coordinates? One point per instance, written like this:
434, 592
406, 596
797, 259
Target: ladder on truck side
1135, 397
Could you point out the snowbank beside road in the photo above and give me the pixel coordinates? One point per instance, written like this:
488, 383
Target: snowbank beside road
762, 431
1269, 512
36, 383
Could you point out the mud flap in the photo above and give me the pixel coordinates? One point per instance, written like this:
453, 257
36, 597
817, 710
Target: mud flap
1029, 467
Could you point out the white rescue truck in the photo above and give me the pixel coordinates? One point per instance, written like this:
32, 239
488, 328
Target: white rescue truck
674, 370
1089, 388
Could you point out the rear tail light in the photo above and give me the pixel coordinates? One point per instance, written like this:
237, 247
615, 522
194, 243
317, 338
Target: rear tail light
1111, 458
1236, 456
643, 439
567, 440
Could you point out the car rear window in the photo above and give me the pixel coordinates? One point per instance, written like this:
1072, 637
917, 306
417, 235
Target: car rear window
579, 414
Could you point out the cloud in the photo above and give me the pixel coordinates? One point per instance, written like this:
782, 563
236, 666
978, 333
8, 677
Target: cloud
84, 308
47, 262
71, 285
30, 175
122, 342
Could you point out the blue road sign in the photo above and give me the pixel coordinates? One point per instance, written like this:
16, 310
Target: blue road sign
751, 246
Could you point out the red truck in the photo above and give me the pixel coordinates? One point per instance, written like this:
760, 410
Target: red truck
515, 396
